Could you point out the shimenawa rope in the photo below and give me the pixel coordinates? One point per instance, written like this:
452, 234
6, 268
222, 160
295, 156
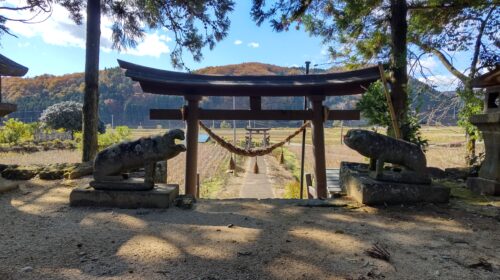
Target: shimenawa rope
252, 152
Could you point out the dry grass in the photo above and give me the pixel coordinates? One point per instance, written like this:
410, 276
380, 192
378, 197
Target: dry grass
210, 159
442, 157
47, 157
212, 156
435, 135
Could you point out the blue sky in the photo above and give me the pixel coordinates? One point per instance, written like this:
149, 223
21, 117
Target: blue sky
56, 46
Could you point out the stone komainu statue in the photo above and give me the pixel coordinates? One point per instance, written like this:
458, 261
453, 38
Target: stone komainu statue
112, 162
381, 149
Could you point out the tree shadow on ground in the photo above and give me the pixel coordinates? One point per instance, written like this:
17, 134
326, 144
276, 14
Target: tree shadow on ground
238, 239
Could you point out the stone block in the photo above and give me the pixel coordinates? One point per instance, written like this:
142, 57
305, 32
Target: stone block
7, 185
162, 196
20, 172
483, 186
356, 182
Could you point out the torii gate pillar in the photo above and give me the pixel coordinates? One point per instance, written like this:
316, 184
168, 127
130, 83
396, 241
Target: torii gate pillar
192, 144
318, 141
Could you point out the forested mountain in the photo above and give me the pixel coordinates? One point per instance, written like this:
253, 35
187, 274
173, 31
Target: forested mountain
123, 100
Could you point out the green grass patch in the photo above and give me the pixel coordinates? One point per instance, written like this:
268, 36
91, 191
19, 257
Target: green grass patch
463, 198
460, 191
210, 187
292, 164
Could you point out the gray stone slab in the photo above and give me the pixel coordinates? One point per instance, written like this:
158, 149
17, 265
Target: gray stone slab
162, 196
366, 190
7, 185
483, 186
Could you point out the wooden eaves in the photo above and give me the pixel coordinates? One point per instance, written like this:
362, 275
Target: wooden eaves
176, 83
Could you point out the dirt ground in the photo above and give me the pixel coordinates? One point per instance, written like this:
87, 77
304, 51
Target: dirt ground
278, 176
41, 237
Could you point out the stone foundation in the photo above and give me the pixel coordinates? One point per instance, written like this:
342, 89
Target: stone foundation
162, 196
483, 186
356, 183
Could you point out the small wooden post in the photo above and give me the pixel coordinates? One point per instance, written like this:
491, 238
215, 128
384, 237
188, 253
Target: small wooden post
192, 144
318, 141
309, 187
197, 185
264, 143
341, 132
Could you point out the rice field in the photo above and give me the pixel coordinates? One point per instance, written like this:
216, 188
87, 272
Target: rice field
436, 135
212, 157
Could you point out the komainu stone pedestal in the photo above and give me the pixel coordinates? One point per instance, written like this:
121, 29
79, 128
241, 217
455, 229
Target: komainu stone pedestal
162, 196
356, 182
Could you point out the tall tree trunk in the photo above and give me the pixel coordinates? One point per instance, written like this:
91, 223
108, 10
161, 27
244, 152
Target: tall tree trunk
399, 30
91, 96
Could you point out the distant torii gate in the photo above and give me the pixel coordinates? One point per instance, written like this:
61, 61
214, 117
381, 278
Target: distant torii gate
194, 86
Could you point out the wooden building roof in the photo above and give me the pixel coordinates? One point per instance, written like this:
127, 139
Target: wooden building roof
11, 68
489, 79
176, 83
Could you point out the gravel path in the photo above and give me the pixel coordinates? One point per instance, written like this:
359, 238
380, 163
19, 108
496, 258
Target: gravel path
256, 185
41, 237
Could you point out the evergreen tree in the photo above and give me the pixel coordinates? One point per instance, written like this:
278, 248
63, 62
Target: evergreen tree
443, 27
370, 31
181, 17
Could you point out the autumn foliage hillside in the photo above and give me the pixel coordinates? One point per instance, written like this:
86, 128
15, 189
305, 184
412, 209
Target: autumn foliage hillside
125, 103
249, 68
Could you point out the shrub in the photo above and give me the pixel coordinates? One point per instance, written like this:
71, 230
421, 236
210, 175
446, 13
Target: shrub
292, 190
110, 137
119, 134
66, 115
225, 124
15, 131
374, 108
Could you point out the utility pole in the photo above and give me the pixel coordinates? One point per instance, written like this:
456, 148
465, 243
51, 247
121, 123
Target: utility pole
234, 122
232, 161
303, 154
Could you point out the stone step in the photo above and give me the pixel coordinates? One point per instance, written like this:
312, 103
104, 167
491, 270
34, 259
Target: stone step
332, 181
162, 196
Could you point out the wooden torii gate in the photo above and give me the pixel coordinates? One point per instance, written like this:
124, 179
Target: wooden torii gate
194, 86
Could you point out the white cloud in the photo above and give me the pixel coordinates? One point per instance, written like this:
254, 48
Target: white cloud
60, 30
253, 45
152, 45
238, 42
324, 50
428, 62
441, 82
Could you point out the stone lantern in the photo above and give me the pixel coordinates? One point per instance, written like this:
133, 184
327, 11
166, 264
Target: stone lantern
9, 68
488, 123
